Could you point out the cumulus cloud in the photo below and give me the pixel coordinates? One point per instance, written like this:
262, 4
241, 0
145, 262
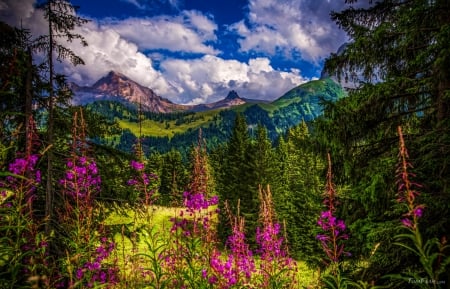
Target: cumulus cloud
107, 51
210, 78
290, 27
187, 32
122, 46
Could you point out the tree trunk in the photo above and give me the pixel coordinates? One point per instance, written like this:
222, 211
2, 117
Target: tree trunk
50, 122
28, 109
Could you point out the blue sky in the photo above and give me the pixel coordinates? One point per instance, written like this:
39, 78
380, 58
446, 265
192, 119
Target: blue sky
196, 51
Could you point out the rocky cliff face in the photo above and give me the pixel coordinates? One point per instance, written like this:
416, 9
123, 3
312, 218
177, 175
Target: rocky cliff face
116, 86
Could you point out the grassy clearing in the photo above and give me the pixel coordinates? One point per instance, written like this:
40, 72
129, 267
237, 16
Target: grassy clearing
153, 225
168, 128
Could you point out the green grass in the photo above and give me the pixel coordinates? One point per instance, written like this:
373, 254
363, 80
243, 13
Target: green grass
168, 128
153, 224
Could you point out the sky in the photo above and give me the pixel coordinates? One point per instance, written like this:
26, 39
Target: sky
196, 51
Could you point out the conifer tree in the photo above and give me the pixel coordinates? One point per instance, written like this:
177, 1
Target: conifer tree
233, 182
16, 76
258, 173
398, 56
62, 20
173, 179
300, 201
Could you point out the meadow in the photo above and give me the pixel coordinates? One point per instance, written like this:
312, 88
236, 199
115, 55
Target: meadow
94, 244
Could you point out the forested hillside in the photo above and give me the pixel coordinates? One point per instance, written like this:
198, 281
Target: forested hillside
318, 189
161, 132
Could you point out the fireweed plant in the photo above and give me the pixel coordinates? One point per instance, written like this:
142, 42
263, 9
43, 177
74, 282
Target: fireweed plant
143, 183
333, 236
432, 253
24, 255
276, 268
191, 241
139, 268
81, 220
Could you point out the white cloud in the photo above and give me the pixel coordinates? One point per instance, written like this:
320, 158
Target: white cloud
290, 26
120, 46
107, 51
210, 78
187, 32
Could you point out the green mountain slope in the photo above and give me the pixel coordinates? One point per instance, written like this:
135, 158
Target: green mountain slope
162, 131
304, 102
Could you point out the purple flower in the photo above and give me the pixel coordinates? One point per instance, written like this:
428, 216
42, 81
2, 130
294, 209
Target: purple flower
341, 225
418, 212
137, 165
407, 223
212, 280
79, 273
321, 237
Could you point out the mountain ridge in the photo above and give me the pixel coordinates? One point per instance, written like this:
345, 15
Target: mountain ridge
116, 86
160, 132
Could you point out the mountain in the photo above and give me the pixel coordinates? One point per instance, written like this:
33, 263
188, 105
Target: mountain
304, 102
117, 87
179, 128
231, 100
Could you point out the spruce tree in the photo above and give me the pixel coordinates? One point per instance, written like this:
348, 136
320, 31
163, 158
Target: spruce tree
16, 80
62, 20
232, 179
173, 179
258, 174
398, 57
299, 203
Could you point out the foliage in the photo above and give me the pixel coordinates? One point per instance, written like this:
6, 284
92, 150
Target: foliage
164, 131
395, 61
297, 188
433, 253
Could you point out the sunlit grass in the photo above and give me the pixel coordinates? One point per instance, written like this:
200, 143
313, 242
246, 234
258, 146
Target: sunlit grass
152, 224
167, 128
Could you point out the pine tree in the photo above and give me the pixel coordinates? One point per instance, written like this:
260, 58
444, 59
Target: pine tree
232, 179
399, 56
173, 179
258, 173
62, 20
299, 203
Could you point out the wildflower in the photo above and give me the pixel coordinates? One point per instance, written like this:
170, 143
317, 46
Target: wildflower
81, 178
407, 223
407, 193
79, 273
137, 165
417, 212
332, 238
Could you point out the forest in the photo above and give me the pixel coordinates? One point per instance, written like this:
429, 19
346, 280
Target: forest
358, 197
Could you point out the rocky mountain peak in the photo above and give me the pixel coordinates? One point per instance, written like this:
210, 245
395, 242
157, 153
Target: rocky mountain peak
118, 87
232, 95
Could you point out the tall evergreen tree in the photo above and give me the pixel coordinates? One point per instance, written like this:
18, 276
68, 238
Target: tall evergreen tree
173, 179
399, 56
62, 20
258, 173
299, 201
16, 75
233, 182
